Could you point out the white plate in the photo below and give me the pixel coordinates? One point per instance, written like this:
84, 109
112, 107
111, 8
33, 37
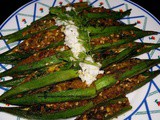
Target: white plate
144, 100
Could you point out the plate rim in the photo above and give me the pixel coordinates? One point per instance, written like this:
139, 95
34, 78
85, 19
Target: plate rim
145, 10
16, 11
32, 1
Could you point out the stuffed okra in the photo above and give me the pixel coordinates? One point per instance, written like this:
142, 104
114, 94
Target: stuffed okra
76, 60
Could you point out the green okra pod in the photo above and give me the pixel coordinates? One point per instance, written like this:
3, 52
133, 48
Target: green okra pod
111, 29
14, 58
17, 80
68, 95
126, 39
12, 82
31, 29
71, 15
105, 82
136, 34
21, 112
151, 76
137, 49
135, 70
112, 15
122, 111
49, 79
96, 112
146, 48
139, 68
28, 68
119, 57
99, 48
49, 97
10, 57
147, 76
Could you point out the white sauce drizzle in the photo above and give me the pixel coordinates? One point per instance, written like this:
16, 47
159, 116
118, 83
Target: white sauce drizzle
88, 72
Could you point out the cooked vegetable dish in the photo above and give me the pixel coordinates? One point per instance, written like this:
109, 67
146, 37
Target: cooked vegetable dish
77, 61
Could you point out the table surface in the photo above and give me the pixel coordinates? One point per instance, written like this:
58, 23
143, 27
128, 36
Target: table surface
9, 6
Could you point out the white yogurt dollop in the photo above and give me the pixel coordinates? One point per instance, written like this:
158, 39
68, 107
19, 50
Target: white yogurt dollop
71, 37
72, 41
88, 72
